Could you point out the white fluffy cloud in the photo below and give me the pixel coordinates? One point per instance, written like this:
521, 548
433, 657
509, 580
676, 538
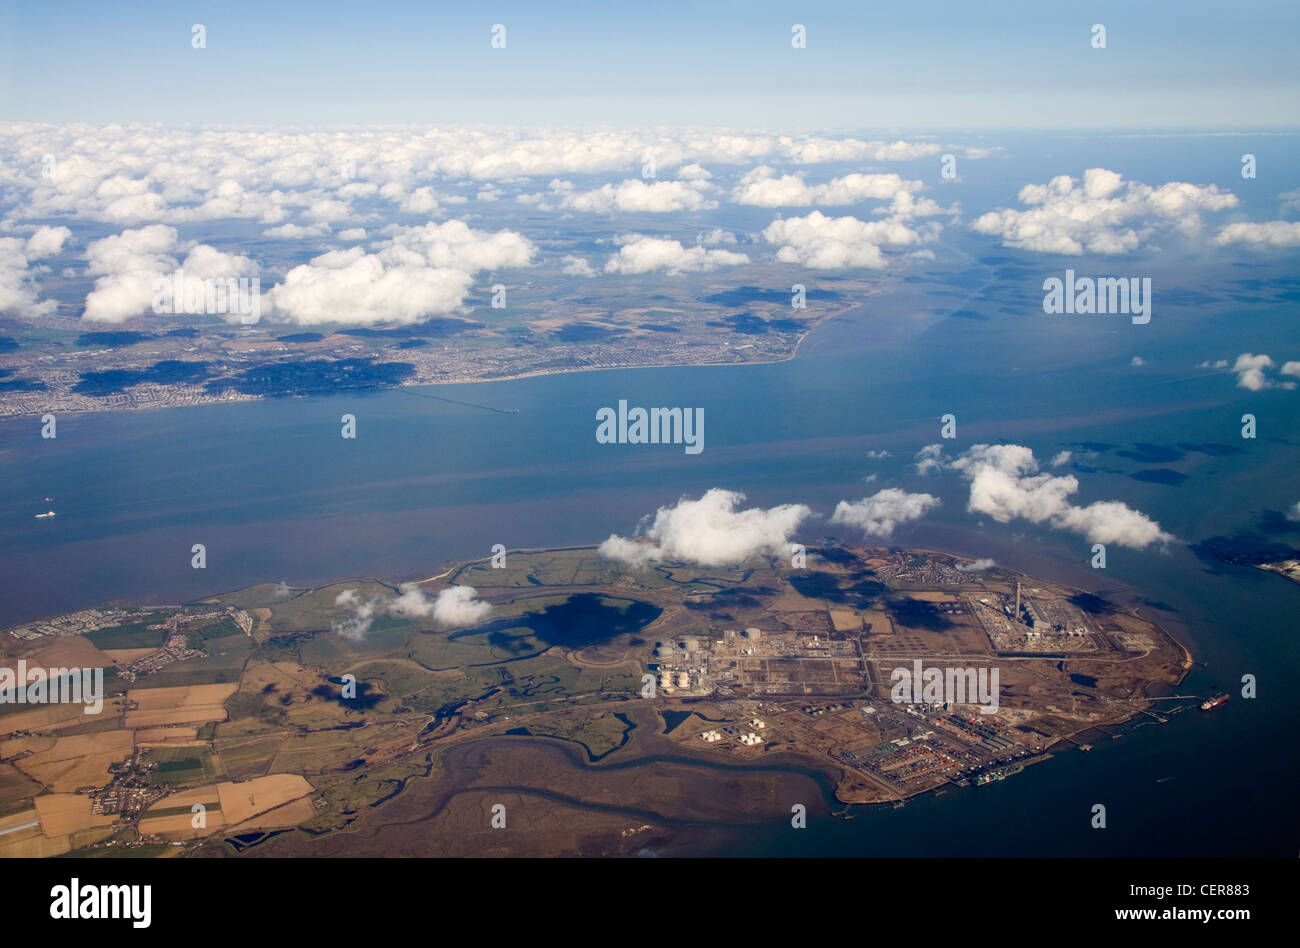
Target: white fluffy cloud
577, 266
833, 243
762, 188
133, 174
1103, 214
47, 241
453, 606
1249, 369
352, 286
18, 292
820, 150
129, 265
643, 254
879, 514
1260, 235
657, 197
929, 460
716, 238
359, 616
295, 231
709, 531
419, 272
1005, 484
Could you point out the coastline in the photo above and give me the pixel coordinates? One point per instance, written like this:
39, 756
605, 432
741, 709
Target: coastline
196, 399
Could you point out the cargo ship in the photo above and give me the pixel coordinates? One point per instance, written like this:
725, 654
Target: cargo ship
1002, 773
1214, 703
48, 513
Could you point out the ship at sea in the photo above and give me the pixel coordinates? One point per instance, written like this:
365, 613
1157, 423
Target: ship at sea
1213, 703
47, 514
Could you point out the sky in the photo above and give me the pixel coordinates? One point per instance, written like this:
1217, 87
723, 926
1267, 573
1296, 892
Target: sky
1187, 64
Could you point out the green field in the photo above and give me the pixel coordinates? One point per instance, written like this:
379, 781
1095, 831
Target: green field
132, 635
183, 765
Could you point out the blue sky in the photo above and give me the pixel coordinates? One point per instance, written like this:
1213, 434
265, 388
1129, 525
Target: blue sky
900, 65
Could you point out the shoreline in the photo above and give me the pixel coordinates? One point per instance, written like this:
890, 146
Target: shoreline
539, 373
886, 283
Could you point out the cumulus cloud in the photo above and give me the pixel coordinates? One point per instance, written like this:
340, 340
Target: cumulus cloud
709, 531
820, 150
419, 201
135, 174
1259, 236
636, 195
976, 566
1103, 214
353, 286
879, 514
1250, 371
1006, 485
303, 184
1062, 458
360, 615
453, 606
419, 272
295, 231
46, 242
1137, 361
833, 243
1109, 521
129, 266
459, 605
577, 266
643, 254
929, 460
762, 188
18, 289
716, 238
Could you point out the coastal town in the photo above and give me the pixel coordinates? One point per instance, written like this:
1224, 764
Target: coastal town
156, 363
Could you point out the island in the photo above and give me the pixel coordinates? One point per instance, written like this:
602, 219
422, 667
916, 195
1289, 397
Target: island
590, 707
